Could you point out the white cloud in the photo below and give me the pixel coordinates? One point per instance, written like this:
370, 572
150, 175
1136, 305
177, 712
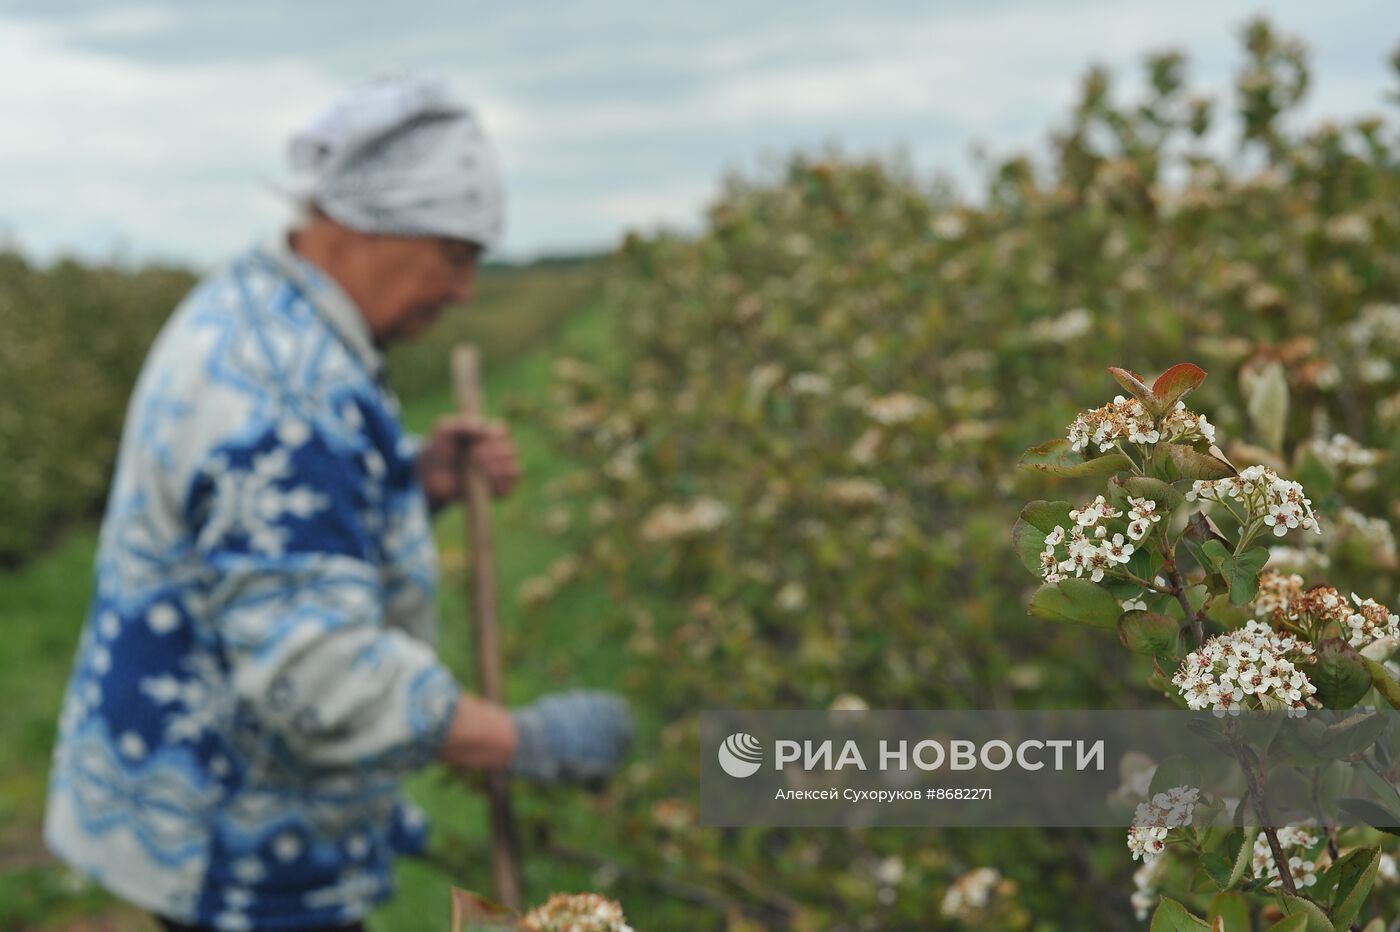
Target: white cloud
616, 129
110, 150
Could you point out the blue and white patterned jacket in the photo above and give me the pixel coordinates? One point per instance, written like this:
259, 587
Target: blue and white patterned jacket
257, 673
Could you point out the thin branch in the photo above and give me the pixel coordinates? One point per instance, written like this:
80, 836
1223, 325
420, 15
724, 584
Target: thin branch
1261, 809
1145, 583
1198, 628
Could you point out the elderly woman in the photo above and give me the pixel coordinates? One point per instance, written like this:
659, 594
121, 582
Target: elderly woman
257, 673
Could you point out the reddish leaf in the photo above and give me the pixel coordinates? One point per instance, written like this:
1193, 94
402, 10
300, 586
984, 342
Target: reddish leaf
473, 909
1176, 382
1133, 383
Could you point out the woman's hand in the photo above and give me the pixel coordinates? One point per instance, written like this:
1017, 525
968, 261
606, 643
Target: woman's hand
489, 447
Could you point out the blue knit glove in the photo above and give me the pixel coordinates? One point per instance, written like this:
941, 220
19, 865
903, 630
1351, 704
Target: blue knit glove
578, 736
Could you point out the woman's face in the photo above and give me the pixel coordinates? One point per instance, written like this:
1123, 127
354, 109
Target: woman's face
410, 281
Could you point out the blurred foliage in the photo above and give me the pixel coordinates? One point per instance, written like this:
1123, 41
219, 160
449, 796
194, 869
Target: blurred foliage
71, 342
515, 308
72, 338
799, 476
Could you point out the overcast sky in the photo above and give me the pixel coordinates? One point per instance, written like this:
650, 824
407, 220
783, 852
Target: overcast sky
157, 129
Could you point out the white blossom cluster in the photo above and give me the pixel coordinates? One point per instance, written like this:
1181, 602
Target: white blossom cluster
576, 912
1087, 547
1154, 818
1375, 335
1368, 621
1353, 229
670, 522
970, 893
1126, 419
855, 492
1251, 662
1293, 838
1375, 533
1308, 559
1074, 324
897, 408
810, 383
1363, 621
1277, 591
1341, 451
1377, 326
1279, 502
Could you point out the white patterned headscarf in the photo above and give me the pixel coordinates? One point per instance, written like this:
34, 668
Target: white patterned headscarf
399, 156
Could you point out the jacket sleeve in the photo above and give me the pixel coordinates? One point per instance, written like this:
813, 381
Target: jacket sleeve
290, 526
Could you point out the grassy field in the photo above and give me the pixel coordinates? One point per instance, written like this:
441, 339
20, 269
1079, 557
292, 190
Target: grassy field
523, 320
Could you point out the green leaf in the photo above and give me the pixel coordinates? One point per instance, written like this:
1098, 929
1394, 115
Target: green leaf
1217, 557
1171, 386
1046, 516
1168, 497
1203, 881
1340, 675
1294, 923
1176, 770
1244, 577
1228, 616
1354, 734
1171, 916
1056, 458
1354, 873
1029, 542
1385, 792
1241, 572
1266, 400
1372, 813
1148, 632
1214, 582
1244, 856
1317, 920
1232, 912
1375, 925
1217, 869
1077, 602
1387, 687
1176, 461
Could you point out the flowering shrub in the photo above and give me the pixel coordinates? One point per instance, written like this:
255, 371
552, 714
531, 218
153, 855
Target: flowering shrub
1282, 647
847, 359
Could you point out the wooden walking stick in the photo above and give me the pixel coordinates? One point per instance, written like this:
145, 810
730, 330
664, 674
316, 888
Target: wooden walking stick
476, 495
